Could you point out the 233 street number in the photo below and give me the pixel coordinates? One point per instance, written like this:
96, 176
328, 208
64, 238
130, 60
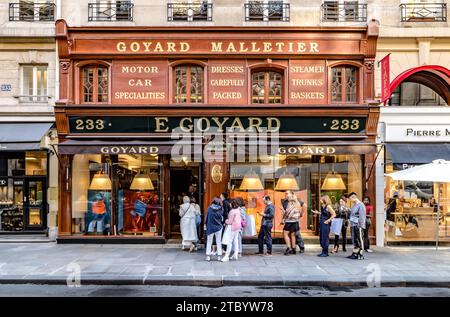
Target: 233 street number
89, 124
344, 125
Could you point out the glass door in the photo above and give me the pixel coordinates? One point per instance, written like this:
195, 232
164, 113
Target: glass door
35, 204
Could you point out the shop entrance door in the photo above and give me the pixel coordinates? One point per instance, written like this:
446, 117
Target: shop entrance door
184, 181
35, 204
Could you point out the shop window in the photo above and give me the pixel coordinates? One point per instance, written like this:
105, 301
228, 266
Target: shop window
344, 84
117, 194
188, 84
34, 83
189, 10
267, 87
412, 207
94, 81
305, 175
414, 94
36, 163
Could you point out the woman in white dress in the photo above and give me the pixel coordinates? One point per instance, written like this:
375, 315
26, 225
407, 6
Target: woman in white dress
188, 226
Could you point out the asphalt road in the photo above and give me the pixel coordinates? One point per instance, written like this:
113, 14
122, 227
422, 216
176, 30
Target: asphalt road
28, 290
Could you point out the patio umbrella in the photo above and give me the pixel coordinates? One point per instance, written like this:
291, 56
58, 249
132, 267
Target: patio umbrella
437, 171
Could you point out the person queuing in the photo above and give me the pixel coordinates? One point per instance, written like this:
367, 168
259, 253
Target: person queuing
369, 211
265, 232
327, 214
214, 227
357, 225
243, 210
231, 234
291, 217
226, 206
342, 212
298, 236
188, 213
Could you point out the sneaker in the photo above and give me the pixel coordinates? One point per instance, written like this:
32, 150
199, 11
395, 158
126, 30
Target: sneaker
287, 252
192, 248
302, 250
208, 258
225, 259
259, 253
268, 254
219, 258
369, 250
323, 255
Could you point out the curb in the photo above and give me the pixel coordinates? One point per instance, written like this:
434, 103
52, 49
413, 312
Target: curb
227, 281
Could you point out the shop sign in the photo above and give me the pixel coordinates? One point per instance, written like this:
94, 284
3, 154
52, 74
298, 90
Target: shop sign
418, 133
124, 149
207, 124
18, 183
307, 150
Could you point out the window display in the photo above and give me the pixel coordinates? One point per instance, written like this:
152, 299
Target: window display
308, 176
116, 194
411, 209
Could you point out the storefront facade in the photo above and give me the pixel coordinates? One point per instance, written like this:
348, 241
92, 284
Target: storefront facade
149, 115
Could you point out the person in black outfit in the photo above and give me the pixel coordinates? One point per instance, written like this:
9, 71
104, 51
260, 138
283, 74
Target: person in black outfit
226, 206
265, 232
343, 213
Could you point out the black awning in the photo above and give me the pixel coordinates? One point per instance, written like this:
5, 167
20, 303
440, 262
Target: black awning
22, 136
417, 153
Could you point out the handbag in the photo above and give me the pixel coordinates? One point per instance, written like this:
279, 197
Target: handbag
227, 235
198, 219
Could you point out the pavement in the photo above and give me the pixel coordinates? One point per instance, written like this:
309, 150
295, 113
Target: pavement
73, 264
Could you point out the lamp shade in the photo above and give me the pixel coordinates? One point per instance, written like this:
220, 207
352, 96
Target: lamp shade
287, 182
333, 181
251, 181
142, 182
101, 181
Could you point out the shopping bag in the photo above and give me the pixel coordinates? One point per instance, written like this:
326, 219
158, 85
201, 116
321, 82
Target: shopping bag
398, 233
227, 237
250, 228
336, 226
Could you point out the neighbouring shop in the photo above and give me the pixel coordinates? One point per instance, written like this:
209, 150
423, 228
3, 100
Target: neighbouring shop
144, 122
23, 177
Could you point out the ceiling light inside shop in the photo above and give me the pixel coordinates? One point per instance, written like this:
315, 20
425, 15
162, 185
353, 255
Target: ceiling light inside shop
287, 182
101, 181
142, 182
333, 181
251, 181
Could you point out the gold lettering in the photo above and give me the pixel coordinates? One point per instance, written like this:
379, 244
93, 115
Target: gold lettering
184, 46
185, 128
237, 124
135, 46
158, 47
254, 50
314, 47
271, 127
216, 46
121, 47
231, 48
254, 124
267, 47
171, 47
147, 46
161, 124
220, 124
242, 46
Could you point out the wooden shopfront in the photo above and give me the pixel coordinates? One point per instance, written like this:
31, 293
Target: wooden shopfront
140, 108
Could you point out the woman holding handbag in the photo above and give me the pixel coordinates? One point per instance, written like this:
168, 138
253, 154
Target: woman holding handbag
342, 213
188, 213
327, 214
232, 230
243, 210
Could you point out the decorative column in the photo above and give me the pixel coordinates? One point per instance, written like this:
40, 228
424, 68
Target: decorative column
65, 195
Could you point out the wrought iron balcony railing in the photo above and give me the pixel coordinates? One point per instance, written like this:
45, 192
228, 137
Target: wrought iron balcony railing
423, 12
29, 11
107, 11
197, 11
270, 11
350, 11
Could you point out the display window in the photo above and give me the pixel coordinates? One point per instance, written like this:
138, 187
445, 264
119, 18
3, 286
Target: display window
308, 176
116, 194
412, 209
23, 178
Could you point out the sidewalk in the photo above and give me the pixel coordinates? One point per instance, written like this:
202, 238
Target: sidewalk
49, 263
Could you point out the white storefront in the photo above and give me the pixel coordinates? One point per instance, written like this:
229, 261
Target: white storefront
410, 136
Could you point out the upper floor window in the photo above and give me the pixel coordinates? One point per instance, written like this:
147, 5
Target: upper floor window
422, 11
188, 84
344, 84
94, 81
264, 10
34, 83
113, 10
32, 11
189, 10
343, 10
266, 87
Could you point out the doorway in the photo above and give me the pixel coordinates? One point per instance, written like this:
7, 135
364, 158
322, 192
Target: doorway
184, 181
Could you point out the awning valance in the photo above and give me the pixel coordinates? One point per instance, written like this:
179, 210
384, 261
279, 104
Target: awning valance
22, 136
417, 153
